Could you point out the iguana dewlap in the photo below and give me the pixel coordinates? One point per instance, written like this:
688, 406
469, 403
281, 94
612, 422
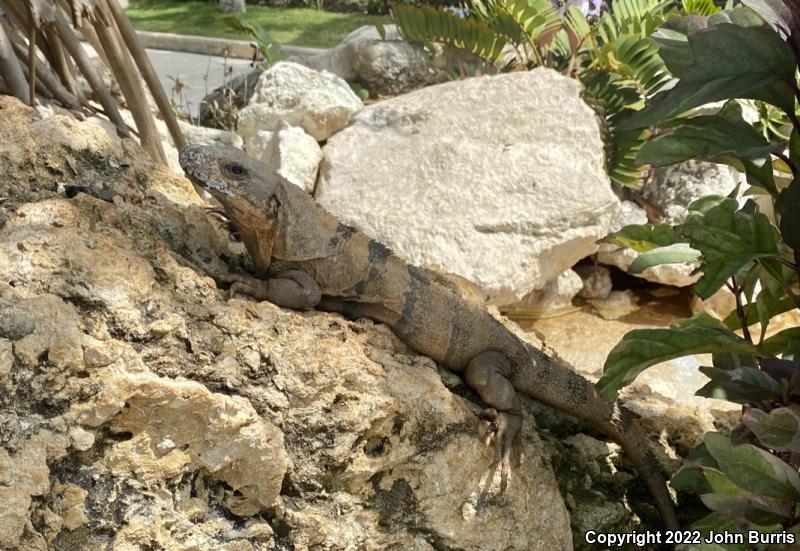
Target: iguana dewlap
308, 259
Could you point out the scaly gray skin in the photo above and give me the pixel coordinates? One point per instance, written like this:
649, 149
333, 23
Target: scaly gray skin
308, 259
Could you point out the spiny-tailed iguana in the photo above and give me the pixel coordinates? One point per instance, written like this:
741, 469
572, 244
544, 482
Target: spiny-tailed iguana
308, 259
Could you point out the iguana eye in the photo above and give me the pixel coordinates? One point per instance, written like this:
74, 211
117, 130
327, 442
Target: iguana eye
236, 170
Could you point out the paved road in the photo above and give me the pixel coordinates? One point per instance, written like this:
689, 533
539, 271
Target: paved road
199, 74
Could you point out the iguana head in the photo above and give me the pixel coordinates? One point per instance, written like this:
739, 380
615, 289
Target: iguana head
247, 190
228, 174
274, 217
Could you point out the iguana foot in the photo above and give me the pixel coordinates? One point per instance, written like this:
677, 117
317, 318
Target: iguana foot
487, 373
290, 288
245, 285
506, 427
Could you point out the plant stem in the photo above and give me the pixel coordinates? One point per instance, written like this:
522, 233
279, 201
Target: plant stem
737, 292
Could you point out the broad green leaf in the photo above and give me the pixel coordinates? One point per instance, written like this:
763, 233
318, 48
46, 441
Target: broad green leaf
775, 13
671, 254
766, 306
705, 137
780, 341
744, 385
721, 484
718, 523
759, 174
673, 44
644, 237
754, 469
755, 508
741, 16
777, 430
641, 348
728, 238
727, 61
723, 360
691, 477
788, 205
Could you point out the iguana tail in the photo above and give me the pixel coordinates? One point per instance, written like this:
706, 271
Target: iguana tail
562, 388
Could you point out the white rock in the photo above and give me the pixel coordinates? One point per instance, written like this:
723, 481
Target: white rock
616, 305
719, 305
674, 187
321, 103
209, 136
629, 213
384, 66
290, 152
679, 275
596, 281
507, 195
556, 294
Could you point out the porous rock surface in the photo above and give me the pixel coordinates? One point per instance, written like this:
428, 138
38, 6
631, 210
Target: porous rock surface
290, 152
498, 179
141, 410
384, 65
319, 102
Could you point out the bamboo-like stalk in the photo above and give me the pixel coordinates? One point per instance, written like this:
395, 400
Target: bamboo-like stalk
77, 53
46, 78
11, 70
32, 65
88, 32
62, 64
19, 16
146, 68
131, 86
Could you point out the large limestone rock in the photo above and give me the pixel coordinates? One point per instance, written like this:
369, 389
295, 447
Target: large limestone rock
385, 66
321, 103
290, 152
498, 179
140, 409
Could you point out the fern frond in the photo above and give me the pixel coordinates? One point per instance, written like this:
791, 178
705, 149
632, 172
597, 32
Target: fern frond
426, 24
640, 17
613, 97
637, 62
539, 19
700, 7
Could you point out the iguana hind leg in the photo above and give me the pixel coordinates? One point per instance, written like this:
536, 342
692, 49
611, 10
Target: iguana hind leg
487, 374
289, 288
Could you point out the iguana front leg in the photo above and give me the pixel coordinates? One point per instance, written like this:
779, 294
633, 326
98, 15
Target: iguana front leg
487, 374
290, 288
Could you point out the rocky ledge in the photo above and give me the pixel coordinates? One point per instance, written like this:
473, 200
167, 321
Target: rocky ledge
140, 409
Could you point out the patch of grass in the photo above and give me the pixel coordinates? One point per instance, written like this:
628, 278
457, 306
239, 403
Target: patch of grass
297, 26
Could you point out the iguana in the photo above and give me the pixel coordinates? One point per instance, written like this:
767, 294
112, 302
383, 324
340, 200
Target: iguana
306, 258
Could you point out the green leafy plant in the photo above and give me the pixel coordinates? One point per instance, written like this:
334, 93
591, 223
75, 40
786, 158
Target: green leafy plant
268, 48
748, 479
